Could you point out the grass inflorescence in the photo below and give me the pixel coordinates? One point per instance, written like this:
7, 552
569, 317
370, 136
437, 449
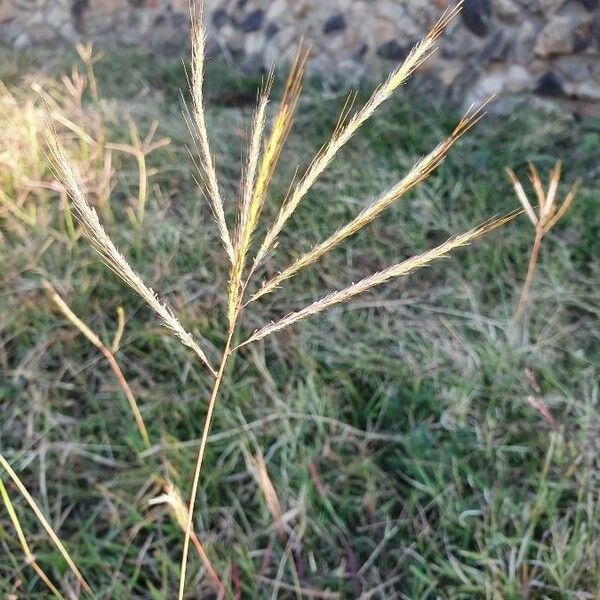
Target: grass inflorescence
262, 156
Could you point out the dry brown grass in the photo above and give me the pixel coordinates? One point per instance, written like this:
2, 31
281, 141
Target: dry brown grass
549, 213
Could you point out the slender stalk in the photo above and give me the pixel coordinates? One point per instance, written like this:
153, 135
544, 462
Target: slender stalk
207, 424
29, 556
108, 354
535, 251
137, 415
142, 188
44, 522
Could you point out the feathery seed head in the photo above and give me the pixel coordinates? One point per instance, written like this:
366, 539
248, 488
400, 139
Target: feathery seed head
102, 243
403, 268
347, 127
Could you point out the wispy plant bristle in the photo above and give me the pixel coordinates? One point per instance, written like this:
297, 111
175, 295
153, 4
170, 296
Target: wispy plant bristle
249, 200
208, 175
279, 133
347, 127
102, 243
418, 173
403, 268
398, 270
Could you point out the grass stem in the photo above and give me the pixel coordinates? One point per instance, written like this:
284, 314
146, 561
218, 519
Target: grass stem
200, 458
29, 556
44, 522
96, 341
533, 259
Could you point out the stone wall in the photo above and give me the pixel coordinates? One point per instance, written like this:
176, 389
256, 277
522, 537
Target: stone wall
548, 47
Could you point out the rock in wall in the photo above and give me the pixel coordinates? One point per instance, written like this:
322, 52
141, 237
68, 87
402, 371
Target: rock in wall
548, 47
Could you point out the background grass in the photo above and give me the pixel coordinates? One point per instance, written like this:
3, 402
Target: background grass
396, 430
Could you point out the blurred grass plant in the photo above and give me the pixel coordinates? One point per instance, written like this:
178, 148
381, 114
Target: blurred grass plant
140, 148
89, 59
549, 213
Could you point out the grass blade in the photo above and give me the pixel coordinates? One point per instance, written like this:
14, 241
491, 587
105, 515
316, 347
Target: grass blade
44, 522
29, 557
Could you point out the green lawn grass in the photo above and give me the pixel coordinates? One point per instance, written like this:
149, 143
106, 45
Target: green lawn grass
396, 429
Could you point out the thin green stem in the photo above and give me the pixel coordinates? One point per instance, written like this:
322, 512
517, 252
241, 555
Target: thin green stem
207, 424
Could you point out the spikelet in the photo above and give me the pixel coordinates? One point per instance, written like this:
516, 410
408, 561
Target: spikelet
418, 173
403, 268
522, 197
208, 178
100, 241
248, 201
346, 128
279, 133
548, 212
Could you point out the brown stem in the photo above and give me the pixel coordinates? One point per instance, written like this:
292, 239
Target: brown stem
137, 415
96, 341
200, 459
209, 568
524, 300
